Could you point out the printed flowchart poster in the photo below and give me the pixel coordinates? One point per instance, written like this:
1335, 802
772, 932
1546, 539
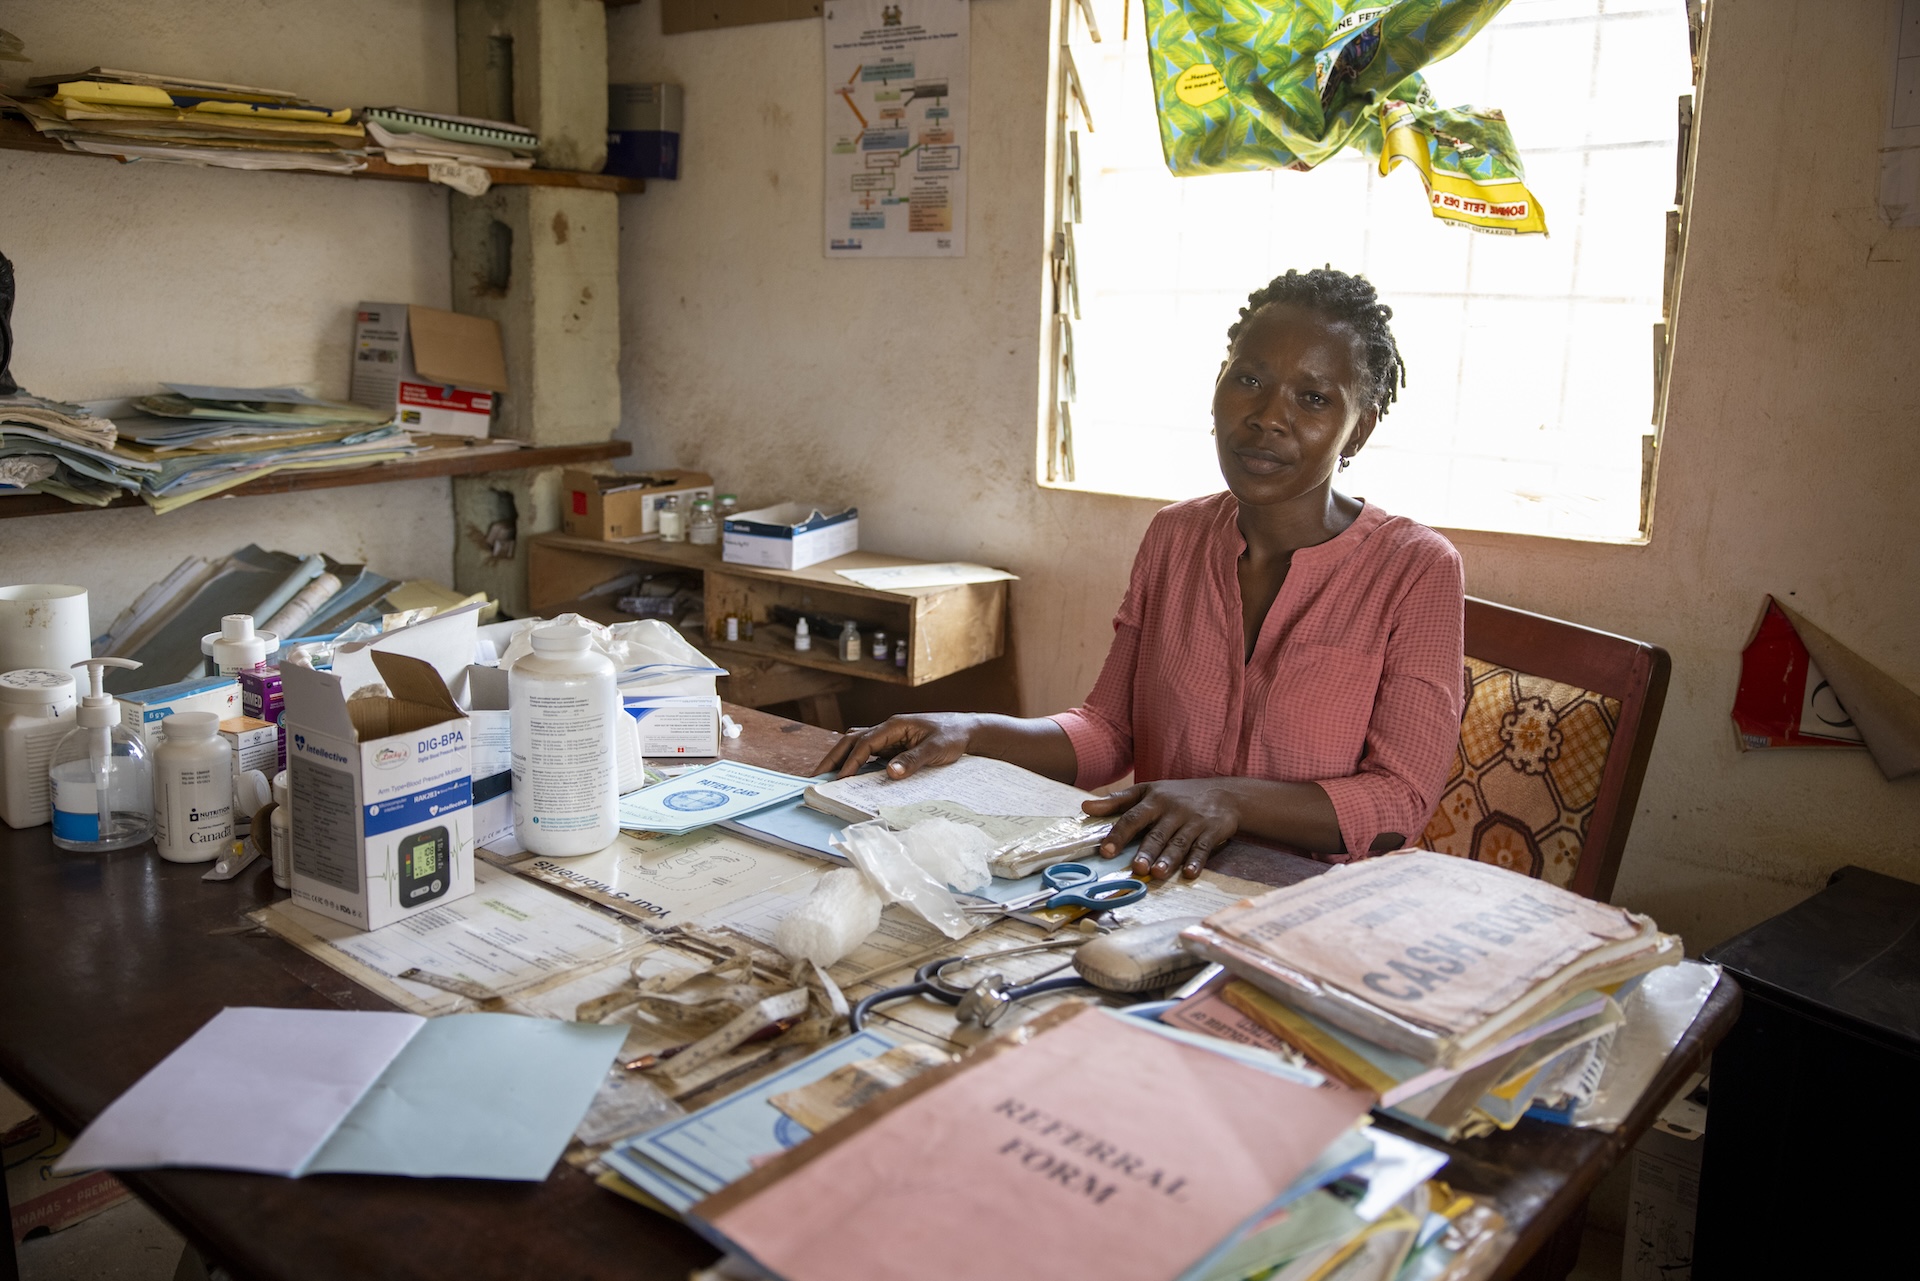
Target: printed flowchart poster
896, 128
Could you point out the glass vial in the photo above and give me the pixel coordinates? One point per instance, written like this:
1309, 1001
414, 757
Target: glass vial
900, 653
879, 649
849, 643
672, 521
703, 527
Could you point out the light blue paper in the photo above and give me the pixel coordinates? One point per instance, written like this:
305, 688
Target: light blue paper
478, 1096
711, 794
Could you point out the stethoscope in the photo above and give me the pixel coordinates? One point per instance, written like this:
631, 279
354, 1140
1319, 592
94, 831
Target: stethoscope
981, 1002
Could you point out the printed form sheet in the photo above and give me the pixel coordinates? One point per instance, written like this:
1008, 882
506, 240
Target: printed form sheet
896, 137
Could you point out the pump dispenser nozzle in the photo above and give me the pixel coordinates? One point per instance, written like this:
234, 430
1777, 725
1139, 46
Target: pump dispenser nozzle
105, 711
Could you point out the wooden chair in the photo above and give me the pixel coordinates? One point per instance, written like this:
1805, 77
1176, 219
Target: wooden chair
1556, 668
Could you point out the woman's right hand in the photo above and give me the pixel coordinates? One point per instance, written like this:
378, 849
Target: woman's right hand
913, 742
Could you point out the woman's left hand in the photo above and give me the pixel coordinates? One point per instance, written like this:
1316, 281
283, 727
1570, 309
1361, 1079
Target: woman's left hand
1185, 821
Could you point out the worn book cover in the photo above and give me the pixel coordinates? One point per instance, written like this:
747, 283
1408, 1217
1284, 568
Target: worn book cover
980, 783
1097, 1148
1428, 954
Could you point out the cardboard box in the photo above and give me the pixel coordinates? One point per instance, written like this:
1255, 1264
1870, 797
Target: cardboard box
42, 1200
643, 130
621, 508
143, 710
381, 792
255, 743
676, 724
790, 535
437, 370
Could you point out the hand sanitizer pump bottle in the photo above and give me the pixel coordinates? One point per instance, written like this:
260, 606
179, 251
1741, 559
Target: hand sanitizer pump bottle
100, 778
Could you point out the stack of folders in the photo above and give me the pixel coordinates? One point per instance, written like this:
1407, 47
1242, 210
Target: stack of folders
48, 447
192, 441
1463, 995
406, 136
140, 116
1051, 1152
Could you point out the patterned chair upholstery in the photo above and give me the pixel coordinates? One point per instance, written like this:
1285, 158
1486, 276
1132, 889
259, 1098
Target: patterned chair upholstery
1554, 743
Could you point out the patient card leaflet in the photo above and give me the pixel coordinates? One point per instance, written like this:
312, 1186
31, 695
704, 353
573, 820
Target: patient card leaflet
710, 794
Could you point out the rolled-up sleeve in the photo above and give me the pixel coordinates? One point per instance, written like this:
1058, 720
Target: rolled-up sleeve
1414, 730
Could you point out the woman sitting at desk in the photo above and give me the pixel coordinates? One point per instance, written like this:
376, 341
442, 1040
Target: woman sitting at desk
1286, 662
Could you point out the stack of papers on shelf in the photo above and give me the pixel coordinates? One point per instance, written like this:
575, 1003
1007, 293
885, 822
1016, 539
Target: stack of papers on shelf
197, 441
140, 116
1455, 990
47, 447
1022, 1160
411, 137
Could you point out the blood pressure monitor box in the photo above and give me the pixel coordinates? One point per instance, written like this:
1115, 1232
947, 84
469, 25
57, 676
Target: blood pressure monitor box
382, 793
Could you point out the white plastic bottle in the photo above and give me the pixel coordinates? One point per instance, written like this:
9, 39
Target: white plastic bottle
192, 789
101, 780
802, 638
36, 712
282, 831
561, 703
236, 647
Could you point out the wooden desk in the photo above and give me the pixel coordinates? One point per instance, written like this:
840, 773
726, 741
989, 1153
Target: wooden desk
109, 962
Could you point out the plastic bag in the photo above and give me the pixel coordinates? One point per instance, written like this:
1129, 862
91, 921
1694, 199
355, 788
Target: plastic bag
647, 653
882, 857
1240, 85
952, 853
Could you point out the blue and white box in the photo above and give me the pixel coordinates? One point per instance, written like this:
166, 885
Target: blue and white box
643, 130
141, 712
790, 535
676, 725
381, 791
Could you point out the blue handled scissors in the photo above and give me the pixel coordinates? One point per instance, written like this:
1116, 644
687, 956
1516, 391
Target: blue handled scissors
1074, 885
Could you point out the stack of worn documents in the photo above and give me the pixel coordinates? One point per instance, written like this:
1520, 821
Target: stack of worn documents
1462, 994
136, 115
407, 136
203, 440
1045, 1153
49, 447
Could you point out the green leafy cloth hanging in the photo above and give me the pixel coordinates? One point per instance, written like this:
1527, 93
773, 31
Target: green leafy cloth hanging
1283, 85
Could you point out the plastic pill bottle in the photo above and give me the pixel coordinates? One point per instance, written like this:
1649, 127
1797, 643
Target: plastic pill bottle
192, 789
282, 830
561, 701
36, 712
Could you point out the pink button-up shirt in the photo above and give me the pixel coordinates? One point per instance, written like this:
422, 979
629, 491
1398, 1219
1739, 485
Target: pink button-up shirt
1354, 684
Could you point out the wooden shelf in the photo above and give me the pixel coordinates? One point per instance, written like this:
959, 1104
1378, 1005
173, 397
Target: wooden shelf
18, 135
947, 629
450, 456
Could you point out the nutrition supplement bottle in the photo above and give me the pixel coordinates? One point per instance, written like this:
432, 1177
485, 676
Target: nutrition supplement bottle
192, 789
561, 701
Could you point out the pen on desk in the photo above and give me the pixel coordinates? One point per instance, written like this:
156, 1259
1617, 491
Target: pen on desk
766, 1033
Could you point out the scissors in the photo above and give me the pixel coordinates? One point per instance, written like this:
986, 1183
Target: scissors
1072, 885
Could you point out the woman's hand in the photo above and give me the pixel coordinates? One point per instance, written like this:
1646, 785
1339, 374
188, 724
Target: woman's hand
914, 742
1185, 821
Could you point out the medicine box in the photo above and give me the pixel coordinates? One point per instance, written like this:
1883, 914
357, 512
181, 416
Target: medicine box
790, 535
255, 743
438, 371
382, 793
623, 507
643, 130
142, 711
676, 724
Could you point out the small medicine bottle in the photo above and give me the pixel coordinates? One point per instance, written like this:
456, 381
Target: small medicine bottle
703, 527
725, 506
849, 643
733, 627
673, 521
880, 648
802, 639
900, 653
192, 789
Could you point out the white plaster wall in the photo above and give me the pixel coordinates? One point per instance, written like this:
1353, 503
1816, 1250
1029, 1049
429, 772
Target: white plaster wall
131, 274
910, 387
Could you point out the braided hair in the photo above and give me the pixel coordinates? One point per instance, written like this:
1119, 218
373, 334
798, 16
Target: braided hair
1345, 299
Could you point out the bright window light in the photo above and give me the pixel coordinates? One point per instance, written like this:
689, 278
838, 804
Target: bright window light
1530, 360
